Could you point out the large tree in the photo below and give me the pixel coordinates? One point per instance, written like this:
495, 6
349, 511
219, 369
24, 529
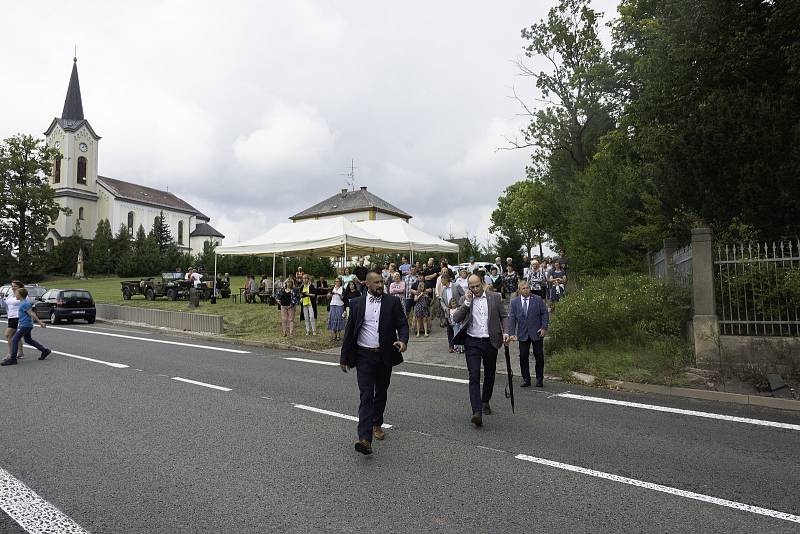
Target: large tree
28, 207
102, 259
523, 213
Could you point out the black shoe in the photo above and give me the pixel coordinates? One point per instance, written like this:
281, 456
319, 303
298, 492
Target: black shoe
476, 419
45, 354
539, 383
9, 361
363, 446
487, 409
525, 384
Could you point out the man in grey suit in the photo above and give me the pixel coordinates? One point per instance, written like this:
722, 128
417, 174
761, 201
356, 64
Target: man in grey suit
528, 321
482, 316
449, 298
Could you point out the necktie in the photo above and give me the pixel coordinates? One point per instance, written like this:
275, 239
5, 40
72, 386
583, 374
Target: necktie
524, 307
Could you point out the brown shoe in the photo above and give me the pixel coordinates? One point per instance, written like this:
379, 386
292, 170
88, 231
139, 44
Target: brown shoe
378, 433
363, 446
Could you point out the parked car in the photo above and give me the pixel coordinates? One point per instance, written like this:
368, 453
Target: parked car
35, 292
480, 264
66, 304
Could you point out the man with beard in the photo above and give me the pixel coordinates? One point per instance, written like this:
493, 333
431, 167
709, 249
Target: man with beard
375, 336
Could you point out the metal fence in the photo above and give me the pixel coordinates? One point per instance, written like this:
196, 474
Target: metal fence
682, 266
758, 289
192, 322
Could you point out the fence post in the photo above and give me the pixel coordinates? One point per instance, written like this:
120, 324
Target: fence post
670, 246
705, 325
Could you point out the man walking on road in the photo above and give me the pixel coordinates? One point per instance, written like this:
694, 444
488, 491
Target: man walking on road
528, 321
482, 317
375, 336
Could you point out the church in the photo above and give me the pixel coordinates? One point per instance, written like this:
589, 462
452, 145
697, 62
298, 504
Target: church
92, 197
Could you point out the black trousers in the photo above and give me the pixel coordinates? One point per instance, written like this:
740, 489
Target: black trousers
477, 350
373, 376
524, 358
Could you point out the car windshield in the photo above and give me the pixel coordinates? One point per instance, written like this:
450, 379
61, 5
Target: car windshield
36, 291
76, 294
172, 276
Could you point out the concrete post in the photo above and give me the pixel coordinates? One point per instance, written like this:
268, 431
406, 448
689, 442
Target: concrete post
705, 325
670, 246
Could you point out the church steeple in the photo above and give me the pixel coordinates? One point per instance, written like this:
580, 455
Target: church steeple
73, 106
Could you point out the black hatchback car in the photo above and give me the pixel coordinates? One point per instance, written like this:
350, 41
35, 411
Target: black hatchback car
66, 305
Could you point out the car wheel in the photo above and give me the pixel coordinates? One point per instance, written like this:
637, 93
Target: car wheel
53, 318
150, 294
172, 294
126, 293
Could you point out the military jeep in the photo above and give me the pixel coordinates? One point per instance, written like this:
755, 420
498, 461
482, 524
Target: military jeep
174, 286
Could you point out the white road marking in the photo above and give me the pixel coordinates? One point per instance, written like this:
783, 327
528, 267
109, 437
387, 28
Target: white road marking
402, 373
139, 338
305, 360
680, 411
334, 414
34, 514
664, 489
432, 377
67, 354
196, 383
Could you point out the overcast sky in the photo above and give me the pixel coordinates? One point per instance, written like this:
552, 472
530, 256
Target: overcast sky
252, 111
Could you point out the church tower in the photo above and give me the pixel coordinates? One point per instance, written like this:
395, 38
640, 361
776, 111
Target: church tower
74, 177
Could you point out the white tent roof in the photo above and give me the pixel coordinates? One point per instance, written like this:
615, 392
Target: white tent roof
397, 230
325, 237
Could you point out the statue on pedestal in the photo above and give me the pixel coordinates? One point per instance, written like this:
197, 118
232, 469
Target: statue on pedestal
79, 272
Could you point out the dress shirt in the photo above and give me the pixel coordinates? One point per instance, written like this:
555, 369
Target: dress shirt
368, 336
479, 326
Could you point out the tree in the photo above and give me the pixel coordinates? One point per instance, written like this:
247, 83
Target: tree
524, 212
123, 254
65, 255
147, 256
28, 208
101, 261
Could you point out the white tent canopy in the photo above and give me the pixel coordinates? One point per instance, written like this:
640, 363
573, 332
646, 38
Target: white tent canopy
324, 237
397, 230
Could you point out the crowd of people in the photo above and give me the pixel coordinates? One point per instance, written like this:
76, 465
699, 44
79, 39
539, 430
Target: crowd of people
429, 290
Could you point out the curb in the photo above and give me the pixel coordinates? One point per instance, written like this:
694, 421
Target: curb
689, 393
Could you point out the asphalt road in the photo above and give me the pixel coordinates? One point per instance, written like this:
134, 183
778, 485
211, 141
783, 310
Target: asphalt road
131, 449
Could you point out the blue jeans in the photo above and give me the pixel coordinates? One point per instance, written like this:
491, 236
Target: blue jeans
24, 332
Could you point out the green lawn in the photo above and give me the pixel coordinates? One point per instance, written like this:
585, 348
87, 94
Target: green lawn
252, 322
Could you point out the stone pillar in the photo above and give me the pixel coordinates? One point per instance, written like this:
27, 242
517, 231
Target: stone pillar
705, 325
670, 246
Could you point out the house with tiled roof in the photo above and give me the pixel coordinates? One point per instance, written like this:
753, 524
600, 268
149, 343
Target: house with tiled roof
92, 198
356, 205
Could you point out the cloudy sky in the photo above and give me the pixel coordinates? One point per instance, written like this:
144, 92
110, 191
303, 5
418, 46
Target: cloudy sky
252, 111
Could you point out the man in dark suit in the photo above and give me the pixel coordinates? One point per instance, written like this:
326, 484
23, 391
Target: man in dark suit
481, 315
528, 321
375, 336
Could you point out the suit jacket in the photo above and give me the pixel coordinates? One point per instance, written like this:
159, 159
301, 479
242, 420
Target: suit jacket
458, 293
497, 317
392, 326
527, 327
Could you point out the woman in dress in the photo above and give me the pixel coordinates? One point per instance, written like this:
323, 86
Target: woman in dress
558, 281
422, 308
350, 292
510, 282
288, 299
336, 315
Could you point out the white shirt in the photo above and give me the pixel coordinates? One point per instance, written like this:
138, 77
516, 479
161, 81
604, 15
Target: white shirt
447, 294
336, 296
12, 306
479, 326
196, 279
368, 336
463, 282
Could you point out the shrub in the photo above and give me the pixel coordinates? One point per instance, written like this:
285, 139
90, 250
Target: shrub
620, 308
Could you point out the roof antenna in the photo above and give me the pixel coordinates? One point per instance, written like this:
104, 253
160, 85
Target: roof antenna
75, 54
351, 175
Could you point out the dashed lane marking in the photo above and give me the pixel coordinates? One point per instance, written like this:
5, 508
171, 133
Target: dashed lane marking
334, 414
664, 489
204, 384
34, 514
306, 360
680, 411
85, 358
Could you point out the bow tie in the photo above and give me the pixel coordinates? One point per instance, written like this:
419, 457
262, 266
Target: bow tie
374, 299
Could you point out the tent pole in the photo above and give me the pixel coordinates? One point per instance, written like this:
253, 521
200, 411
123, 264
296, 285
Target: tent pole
345, 252
273, 273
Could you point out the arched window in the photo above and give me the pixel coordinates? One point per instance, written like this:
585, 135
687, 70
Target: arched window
57, 172
49, 244
130, 222
80, 214
180, 232
82, 170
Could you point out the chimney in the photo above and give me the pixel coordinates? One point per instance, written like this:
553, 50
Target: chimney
344, 192
363, 187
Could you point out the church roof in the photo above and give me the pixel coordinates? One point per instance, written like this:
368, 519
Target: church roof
348, 202
73, 105
148, 195
205, 230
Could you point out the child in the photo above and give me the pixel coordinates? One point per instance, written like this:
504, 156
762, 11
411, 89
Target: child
26, 318
422, 308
